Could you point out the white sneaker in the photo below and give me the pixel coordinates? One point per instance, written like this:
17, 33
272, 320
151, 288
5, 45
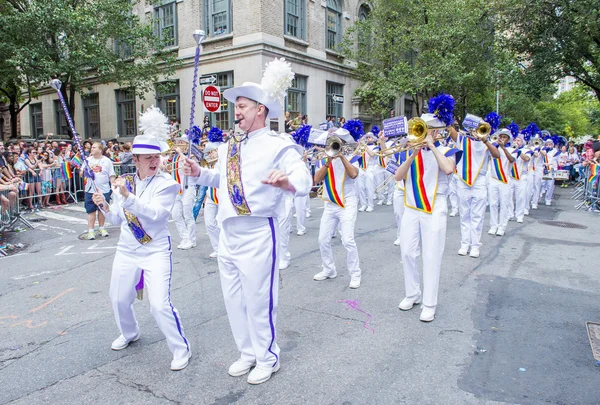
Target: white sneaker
90, 236
324, 276
427, 314
121, 343
284, 264
301, 233
180, 364
548, 203
260, 374
240, 368
500, 232
389, 203
380, 202
362, 208
103, 232
453, 213
213, 255
354, 282
474, 252
463, 251
409, 302
492, 231
534, 206
369, 209
519, 220
526, 212
397, 242
186, 244
308, 214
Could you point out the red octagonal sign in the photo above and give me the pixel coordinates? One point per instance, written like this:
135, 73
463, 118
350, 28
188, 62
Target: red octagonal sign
211, 96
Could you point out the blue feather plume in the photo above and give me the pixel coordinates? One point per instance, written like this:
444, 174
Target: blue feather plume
442, 106
301, 135
530, 131
355, 127
194, 134
514, 129
215, 135
375, 130
494, 120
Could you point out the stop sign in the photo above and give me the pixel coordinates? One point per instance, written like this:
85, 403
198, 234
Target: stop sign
211, 97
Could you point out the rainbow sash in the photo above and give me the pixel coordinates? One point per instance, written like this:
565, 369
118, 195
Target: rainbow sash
381, 161
333, 187
472, 160
421, 184
498, 172
212, 194
363, 161
175, 171
514, 171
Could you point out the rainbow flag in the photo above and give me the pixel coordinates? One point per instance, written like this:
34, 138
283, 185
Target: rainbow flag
417, 173
66, 170
467, 161
594, 169
331, 189
499, 170
76, 161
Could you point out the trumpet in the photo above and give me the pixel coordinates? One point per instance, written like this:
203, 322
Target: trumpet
494, 138
482, 132
336, 147
417, 132
536, 142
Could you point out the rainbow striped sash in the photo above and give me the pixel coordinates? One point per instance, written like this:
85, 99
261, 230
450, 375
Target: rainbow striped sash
175, 171
472, 160
421, 185
212, 194
381, 162
514, 171
333, 186
498, 172
363, 161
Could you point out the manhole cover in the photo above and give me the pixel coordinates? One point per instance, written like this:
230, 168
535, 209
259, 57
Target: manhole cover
563, 224
593, 330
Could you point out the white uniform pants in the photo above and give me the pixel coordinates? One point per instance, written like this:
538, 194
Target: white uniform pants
183, 214
471, 206
537, 187
346, 218
398, 208
499, 194
248, 264
391, 188
518, 197
285, 227
549, 186
300, 204
428, 230
379, 176
369, 186
210, 221
452, 186
158, 268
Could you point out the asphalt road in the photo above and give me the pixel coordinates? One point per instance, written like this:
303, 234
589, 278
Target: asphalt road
509, 328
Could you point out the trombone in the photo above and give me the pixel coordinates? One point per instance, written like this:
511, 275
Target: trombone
417, 132
482, 132
336, 147
384, 184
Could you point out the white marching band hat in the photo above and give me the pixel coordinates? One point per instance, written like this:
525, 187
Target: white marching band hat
154, 125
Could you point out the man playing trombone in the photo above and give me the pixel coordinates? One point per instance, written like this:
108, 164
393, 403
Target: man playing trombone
341, 203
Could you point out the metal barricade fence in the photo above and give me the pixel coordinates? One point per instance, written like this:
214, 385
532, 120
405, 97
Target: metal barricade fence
587, 191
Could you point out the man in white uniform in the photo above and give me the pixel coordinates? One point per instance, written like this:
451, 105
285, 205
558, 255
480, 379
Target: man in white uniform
142, 203
518, 180
499, 187
550, 156
340, 208
254, 172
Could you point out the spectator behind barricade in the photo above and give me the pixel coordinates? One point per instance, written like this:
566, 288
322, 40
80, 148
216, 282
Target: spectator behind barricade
125, 156
87, 147
304, 119
60, 176
46, 164
8, 202
297, 121
288, 122
104, 175
32, 178
206, 122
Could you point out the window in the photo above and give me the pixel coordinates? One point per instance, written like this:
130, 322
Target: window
217, 17
296, 96
166, 22
334, 107
126, 112
295, 18
334, 24
167, 99
62, 128
224, 118
91, 115
122, 49
364, 34
37, 121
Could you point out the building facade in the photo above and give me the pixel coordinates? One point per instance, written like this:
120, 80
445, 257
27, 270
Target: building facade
241, 38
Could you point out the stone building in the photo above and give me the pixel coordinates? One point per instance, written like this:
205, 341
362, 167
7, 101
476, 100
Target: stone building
241, 37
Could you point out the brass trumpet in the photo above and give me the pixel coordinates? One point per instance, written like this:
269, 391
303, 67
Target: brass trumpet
482, 132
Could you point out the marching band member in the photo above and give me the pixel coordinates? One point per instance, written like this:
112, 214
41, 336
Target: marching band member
472, 190
182, 213
339, 195
381, 174
425, 174
254, 172
368, 163
499, 188
536, 167
211, 206
518, 176
142, 203
550, 158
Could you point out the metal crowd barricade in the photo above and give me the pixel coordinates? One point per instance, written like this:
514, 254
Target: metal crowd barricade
587, 191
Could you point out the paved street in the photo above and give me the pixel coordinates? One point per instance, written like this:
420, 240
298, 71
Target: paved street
509, 328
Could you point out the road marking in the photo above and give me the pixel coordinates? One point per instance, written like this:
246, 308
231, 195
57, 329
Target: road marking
60, 217
96, 246
32, 275
54, 227
45, 304
64, 251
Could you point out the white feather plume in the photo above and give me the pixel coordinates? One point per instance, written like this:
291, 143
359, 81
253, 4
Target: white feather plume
277, 79
154, 122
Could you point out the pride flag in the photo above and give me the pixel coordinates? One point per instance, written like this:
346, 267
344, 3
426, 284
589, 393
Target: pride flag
66, 170
76, 161
594, 169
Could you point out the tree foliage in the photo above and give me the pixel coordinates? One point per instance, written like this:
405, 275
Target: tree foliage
82, 43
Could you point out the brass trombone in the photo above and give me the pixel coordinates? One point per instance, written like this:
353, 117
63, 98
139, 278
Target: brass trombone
417, 132
482, 132
336, 147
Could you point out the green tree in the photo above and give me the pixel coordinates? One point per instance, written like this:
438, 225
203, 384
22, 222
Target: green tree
83, 43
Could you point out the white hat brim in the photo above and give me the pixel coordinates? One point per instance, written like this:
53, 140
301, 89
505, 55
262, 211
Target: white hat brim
254, 92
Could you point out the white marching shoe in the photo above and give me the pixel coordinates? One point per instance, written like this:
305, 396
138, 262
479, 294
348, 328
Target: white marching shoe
186, 244
362, 208
500, 232
261, 374
213, 255
354, 282
409, 302
474, 252
427, 314
121, 343
492, 231
369, 209
284, 264
453, 213
180, 364
397, 242
324, 276
240, 368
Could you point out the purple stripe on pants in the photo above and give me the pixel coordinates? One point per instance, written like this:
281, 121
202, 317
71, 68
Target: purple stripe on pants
170, 303
274, 255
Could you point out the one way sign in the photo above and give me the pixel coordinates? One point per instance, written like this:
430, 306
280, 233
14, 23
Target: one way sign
212, 79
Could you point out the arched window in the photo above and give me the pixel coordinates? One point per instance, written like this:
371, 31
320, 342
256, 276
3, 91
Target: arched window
364, 32
334, 24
